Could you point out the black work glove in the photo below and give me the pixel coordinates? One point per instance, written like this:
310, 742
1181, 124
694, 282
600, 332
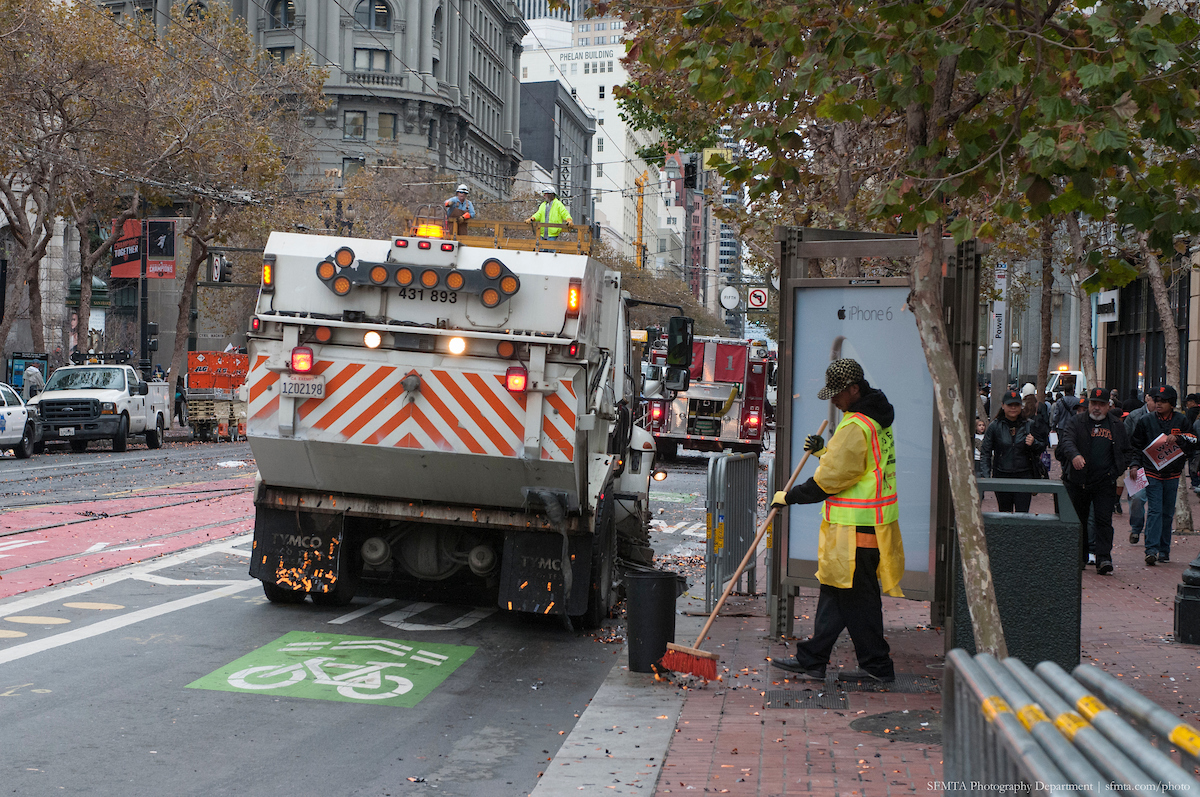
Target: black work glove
815, 443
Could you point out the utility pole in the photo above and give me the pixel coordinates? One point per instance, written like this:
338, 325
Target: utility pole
144, 298
640, 247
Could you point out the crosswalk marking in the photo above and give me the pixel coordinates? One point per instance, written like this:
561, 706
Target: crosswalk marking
697, 530
691, 529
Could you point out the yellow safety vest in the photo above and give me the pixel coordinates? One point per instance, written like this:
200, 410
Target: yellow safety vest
872, 500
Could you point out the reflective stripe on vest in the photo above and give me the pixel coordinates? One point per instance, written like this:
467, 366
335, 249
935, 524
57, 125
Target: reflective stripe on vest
872, 500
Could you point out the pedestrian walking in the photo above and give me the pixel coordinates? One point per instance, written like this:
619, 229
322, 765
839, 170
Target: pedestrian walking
1161, 443
860, 553
1140, 407
1064, 409
1010, 449
1039, 417
1095, 452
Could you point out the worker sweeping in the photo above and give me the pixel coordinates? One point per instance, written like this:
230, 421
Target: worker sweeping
860, 551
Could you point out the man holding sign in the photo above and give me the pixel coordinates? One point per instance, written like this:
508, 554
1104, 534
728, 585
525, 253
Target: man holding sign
1161, 441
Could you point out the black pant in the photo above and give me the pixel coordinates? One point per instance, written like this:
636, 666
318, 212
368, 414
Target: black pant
1013, 502
858, 610
1096, 501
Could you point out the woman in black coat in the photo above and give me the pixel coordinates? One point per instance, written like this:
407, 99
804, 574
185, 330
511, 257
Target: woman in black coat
1009, 449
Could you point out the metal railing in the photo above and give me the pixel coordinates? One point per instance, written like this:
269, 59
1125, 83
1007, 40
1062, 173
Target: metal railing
1009, 728
731, 510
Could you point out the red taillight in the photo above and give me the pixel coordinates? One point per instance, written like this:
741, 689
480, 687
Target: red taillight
574, 298
515, 378
302, 359
423, 244
401, 243
752, 420
447, 247
573, 349
656, 411
256, 324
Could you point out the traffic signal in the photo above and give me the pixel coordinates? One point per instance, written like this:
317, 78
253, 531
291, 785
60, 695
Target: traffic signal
221, 270
689, 174
151, 340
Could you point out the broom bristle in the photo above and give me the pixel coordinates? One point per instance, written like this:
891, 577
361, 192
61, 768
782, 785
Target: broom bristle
699, 666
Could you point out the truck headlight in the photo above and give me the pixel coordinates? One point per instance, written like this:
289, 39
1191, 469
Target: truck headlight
108, 408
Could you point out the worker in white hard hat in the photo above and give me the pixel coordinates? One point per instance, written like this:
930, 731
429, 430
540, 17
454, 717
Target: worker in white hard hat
551, 212
459, 209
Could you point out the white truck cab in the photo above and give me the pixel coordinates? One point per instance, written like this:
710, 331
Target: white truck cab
100, 402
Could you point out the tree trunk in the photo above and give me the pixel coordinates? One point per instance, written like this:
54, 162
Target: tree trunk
83, 316
1043, 368
957, 435
36, 322
1162, 301
1087, 358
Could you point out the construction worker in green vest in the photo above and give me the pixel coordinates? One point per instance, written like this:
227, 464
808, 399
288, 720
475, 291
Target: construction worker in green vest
551, 212
859, 551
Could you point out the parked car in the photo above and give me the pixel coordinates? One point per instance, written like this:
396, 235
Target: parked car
17, 430
100, 402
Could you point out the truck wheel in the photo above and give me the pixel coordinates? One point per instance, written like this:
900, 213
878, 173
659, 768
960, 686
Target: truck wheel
39, 448
604, 562
24, 449
278, 594
121, 440
78, 446
154, 437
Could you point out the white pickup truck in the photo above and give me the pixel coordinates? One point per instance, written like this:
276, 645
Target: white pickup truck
100, 402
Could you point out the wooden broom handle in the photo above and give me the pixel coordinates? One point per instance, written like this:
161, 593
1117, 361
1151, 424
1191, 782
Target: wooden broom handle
762, 530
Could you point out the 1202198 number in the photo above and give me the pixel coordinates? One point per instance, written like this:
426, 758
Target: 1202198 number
450, 297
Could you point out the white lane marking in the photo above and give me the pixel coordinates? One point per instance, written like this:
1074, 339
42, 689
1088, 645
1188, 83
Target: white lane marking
665, 529
100, 546
12, 545
381, 645
114, 623
151, 578
357, 613
50, 595
692, 531
136, 547
399, 619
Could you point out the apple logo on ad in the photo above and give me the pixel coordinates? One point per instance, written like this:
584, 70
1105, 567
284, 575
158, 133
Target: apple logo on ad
842, 314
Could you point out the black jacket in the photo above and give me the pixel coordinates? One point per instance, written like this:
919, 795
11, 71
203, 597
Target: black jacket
1004, 453
1076, 440
1147, 429
872, 403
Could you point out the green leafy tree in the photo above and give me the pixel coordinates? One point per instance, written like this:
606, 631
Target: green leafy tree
963, 103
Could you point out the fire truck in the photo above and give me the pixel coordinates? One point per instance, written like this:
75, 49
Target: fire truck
724, 408
429, 410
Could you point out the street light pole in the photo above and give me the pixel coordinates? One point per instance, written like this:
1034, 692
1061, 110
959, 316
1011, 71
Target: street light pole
144, 297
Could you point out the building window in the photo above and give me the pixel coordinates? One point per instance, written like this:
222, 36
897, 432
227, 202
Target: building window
355, 125
601, 92
599, 145
524, 72
600, 26
585, 28
601, 40
373, 15
599, 169
582, 42
387, 126
574, 68
617, 25
282, 15
587, 67
281, 54
371, 60
610, 64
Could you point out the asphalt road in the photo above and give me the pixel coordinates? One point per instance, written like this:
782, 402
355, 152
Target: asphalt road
170, 674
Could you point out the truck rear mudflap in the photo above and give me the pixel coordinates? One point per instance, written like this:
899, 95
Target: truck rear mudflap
298, 551
432, 429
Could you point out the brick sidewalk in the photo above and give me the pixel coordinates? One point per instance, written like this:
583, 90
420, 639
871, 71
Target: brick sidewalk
728, 741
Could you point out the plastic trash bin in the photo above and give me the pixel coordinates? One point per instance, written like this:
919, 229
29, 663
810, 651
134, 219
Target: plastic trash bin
650, 623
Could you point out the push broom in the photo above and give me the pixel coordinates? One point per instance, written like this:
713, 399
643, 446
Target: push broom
701, 663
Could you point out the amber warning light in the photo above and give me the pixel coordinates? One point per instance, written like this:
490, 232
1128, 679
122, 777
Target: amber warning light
574, 298
302, 359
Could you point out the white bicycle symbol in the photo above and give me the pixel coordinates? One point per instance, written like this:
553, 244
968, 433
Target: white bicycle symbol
362, 682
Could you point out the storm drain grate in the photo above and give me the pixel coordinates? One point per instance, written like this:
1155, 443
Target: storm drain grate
905, 683
804, 698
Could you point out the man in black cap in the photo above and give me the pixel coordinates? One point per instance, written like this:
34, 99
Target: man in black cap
860, 551
1162, 483
1094, 452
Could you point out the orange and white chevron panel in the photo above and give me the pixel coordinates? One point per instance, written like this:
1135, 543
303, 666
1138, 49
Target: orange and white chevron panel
454, 411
